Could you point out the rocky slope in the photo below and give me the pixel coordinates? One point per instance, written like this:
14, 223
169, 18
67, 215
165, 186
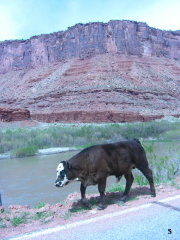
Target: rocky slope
115, 71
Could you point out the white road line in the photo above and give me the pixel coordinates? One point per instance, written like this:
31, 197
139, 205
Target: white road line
92, 220
169, 199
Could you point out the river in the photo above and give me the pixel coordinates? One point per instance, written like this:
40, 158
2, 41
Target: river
27, 181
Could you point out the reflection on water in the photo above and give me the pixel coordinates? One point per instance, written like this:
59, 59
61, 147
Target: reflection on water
31, 180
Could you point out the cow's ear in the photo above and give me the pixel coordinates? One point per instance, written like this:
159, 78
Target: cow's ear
68, 165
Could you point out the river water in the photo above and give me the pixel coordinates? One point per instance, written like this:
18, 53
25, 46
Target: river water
27, 181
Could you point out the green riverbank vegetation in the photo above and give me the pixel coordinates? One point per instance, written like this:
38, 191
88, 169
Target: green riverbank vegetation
160, 139
26, 141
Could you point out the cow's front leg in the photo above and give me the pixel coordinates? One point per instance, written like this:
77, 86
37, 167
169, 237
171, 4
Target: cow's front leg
101, 188
84, 201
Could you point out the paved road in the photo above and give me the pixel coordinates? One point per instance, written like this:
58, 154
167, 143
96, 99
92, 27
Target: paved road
156, 221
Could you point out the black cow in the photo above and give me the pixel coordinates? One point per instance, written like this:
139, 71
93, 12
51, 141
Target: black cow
94, 164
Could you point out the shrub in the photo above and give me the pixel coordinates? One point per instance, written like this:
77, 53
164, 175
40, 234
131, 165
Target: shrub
163, 166
25, 151
41, 215
15, 221
39, 205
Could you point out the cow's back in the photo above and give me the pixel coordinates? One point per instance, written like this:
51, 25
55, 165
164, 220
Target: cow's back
118, 157
109, 159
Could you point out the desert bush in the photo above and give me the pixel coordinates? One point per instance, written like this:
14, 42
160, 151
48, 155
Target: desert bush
39, 205
15, 221
41, 215
25, 151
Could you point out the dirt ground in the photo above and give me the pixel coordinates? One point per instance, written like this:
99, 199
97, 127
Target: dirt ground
22, 219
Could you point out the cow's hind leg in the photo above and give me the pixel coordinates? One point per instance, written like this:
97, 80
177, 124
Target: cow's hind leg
84, 201
101, 188
147, 172
129, 180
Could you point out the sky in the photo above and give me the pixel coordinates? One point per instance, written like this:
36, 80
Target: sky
22, 19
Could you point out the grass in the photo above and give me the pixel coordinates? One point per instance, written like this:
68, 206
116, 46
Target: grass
115, 188
174, 184
139, 179
25, 214
25, 217
67, 215
78, 209
2, 225
25, 151
41, 215
15, 221
39, 205
92, 202
164, 162
132, 198
25, 142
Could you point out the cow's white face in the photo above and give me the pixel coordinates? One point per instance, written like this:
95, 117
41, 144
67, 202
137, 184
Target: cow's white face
61, 179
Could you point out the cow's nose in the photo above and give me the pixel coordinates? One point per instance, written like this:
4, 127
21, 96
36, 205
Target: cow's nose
57, 184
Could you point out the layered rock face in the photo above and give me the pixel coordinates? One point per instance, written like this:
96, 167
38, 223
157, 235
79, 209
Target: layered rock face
86, 40
9, 115
118, 71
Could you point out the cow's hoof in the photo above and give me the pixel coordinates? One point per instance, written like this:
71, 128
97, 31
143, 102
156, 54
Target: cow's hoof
101, 207
153, 195
123, 199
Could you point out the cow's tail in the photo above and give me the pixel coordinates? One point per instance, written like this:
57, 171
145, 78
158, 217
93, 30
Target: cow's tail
137, 140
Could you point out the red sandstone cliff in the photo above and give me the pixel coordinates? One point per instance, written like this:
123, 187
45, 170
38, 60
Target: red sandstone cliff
115, 71
9, 115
